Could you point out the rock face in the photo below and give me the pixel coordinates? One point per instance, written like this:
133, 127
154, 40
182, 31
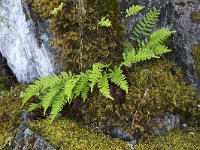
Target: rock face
176, 15
27, 139
18, 44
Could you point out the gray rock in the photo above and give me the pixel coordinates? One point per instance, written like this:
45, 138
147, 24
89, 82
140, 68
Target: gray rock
18, 44
27, 139
164, 123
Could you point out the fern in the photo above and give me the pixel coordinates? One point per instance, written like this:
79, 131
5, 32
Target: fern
105, 22
133, 10
144, 27
116, 75
57, 9
104, 86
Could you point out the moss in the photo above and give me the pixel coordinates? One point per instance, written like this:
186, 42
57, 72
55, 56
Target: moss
9, 114
79, 41
195, 16
196, 56
66, 134
176, 140
155, 87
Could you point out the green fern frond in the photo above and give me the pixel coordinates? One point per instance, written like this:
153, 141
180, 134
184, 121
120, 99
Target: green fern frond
160, 49
39, 86
133, 10
58, 104
82, 86
47, 99
34, 106
144, 27
69, 87
116, 75
105, 22
95, 74
104, 86
57, 9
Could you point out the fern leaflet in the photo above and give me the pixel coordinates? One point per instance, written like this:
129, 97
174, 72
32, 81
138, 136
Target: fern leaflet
133, 10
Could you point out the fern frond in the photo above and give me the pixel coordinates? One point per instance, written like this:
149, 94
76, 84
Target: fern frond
95, 74
82, 86
160, 49
39, 86
104, 86
141, 55
144, 27
116, 75
34, 106
58, 105
69, 87
134, 10
47, 99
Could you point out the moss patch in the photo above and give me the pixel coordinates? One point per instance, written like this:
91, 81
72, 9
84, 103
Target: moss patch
155, 87
9, 114
176, 140
196, 56
195, 16
66, 134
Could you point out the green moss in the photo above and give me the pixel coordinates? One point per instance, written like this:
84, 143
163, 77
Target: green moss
79, 40
9, 114
176, 140
195, 16
66, 134
155, 87
196, 56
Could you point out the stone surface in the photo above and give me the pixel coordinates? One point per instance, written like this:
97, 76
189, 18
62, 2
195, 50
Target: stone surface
27, 139
164, 123
27, 59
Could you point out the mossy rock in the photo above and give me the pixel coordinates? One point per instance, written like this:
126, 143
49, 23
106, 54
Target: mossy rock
79, 40
66, 134
155, 87
196, 56
176, 140
196, 16
10, 114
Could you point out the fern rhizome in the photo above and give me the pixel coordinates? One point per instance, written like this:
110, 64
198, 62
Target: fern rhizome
57, 90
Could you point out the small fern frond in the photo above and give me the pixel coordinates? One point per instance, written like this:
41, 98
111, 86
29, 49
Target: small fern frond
47, 99
69, 87
104, 86
95, 74
160, 49
34, 106
57, 9
105, 22
144, 27
116, 75
82, 86
133, 10
58, 105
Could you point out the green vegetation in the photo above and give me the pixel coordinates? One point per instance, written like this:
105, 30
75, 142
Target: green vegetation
155, 87
176, 140
56, 91
66, 134
196, 56
196, 16
105, 22
133, 10
9, 114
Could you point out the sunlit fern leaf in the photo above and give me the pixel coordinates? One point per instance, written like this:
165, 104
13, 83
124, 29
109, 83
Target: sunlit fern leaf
82, 86
34, 106
47, 99
95, 74
58, 104
105, 22
116, 75
69, 87
133, 10
161, 49
104, 86
57, 9
145, 26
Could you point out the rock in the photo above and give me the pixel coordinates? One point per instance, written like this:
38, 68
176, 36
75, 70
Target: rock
27, 139
18, 44
164, 123
176, 15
